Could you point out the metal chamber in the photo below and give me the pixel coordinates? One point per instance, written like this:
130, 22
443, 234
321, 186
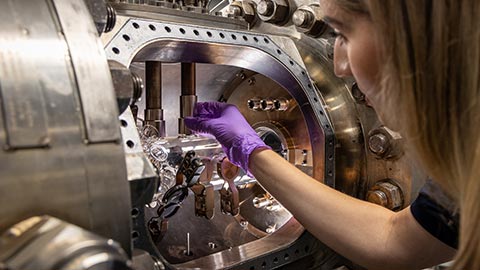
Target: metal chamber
71, 155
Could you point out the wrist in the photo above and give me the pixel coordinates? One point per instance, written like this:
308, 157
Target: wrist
254, 153
243, 149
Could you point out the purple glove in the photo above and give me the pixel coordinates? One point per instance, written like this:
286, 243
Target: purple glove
229, 127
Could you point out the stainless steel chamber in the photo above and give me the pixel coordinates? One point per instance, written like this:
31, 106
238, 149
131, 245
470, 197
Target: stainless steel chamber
83, 143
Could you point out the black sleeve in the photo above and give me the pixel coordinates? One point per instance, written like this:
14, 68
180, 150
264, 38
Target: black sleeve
437, 214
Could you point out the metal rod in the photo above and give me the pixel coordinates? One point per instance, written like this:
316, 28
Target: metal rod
188, 97
188, 78
188, 244
153, 77
153, 96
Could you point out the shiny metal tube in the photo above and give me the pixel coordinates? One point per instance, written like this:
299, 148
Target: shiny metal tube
164, 153
153, 96
188, 97
267, 104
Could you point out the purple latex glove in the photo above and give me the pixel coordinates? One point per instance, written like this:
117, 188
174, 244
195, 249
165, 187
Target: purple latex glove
229, 127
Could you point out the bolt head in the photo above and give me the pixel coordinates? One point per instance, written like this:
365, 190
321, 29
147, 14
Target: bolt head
377, 197
378, 143
386, 194
302, 18
265, 8
235, 10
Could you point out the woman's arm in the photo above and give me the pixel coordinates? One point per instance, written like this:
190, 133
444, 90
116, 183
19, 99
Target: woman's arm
365, 233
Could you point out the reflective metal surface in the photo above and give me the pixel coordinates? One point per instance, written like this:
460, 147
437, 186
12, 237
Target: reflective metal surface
52, 163
23, 247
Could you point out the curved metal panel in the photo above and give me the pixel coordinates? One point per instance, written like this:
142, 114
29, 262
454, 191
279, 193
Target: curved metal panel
81, 183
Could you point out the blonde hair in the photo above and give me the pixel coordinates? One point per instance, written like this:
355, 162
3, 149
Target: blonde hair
430, 91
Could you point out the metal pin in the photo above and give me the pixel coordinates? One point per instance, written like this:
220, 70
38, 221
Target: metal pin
188, 253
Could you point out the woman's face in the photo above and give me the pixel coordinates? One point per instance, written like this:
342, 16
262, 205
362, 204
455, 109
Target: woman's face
355, 51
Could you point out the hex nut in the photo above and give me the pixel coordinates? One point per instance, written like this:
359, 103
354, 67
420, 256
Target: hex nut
385, 143
387, 194
273, 11
308, 20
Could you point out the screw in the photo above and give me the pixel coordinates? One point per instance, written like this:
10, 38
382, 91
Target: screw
241, 75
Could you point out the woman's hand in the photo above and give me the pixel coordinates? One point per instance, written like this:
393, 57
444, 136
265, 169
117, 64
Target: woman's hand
229, 127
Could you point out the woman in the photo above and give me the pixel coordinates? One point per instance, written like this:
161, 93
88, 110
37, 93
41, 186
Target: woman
418, 63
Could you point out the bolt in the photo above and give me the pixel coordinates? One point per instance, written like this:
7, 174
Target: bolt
265, 7
379, 144
377, 197
303, 18
244, 223
261, 202
137, 87
242, 75
235, 10
386, 194
385, 143
111, 19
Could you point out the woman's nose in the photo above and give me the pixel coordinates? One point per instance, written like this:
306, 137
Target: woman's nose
340, 60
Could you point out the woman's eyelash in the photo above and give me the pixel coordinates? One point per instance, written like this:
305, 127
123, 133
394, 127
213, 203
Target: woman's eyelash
337, 34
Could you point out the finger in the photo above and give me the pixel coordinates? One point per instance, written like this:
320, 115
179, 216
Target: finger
198, 124
198, 109
208, 109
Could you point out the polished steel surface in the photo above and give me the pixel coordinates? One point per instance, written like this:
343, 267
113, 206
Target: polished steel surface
84, 184
153, 114
188, 96
91, 71
172, 14
123, 83
23, 246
